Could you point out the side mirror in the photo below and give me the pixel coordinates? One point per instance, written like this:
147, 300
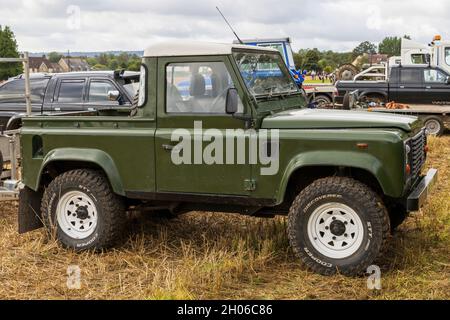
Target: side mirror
231, 105
113, 95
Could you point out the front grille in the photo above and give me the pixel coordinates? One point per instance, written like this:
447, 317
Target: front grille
418, 154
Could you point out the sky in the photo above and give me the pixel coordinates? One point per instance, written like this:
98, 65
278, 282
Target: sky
340, 25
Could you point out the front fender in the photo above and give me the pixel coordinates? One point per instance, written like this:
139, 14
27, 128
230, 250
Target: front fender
92, 156
388, 181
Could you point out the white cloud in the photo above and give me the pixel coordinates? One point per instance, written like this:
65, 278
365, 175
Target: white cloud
44, 25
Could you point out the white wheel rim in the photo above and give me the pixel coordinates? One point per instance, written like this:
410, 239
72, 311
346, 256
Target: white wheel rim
433, 127
77, 215
335, 230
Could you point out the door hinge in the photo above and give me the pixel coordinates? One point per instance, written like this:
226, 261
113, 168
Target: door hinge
250, 185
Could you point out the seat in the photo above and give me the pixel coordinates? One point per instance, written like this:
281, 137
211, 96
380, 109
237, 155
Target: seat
200, 101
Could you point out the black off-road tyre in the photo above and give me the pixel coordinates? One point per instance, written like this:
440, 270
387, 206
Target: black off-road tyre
111, 216
435, 126
364, 202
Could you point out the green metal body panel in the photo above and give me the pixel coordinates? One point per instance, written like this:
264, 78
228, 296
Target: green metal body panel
131, 150
124, 148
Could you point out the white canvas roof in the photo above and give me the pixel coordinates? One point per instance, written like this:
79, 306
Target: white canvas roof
173, 49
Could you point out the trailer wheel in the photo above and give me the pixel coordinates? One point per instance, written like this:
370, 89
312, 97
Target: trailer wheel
80, 209
322, 101
338, 224
434, 126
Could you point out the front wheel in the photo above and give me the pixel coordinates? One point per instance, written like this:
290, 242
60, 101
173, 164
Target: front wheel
338, 225
80, 209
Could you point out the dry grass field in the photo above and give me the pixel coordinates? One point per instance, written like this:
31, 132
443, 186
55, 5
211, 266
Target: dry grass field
207, 256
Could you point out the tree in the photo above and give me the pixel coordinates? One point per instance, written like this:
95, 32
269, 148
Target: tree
328, 69
364, 47
8, 49
99, 67
311, 60
392, 46
113, 64
54, 57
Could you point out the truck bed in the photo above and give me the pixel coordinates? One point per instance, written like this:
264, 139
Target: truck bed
417, 109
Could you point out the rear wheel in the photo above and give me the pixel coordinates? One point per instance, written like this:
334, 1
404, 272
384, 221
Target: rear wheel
434, 126
338, 225
80, 209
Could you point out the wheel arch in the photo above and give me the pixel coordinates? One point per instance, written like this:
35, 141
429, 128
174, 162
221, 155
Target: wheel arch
365, 168
369, 93
321, 94
62, 160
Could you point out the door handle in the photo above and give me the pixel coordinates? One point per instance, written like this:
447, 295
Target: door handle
428, 87
402, 87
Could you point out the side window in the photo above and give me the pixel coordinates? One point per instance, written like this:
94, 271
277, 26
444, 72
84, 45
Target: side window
431, 75
71, 91
410, 76
420, 58
447, 56
198, 88
98, 90
38, 87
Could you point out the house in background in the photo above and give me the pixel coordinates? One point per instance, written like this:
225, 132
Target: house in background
43, 65
39, 63
73, 64
378, 58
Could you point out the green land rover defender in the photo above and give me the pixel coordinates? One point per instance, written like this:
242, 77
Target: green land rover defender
224, 128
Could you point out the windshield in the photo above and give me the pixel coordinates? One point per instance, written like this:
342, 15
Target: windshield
265, 74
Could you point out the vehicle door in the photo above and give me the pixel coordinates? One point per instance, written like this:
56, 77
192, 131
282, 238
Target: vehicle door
191, 108
437, 90
103, 93
409, 88
69, 95
9, 103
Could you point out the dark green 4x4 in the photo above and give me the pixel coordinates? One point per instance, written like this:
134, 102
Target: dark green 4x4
224, 128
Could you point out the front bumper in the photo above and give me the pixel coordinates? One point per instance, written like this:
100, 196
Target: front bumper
419, 195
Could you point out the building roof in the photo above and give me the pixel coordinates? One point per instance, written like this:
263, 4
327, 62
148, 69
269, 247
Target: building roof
76, 64
36, 62
191, 48
55, 66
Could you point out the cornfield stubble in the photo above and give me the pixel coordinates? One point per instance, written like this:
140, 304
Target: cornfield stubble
205, 256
